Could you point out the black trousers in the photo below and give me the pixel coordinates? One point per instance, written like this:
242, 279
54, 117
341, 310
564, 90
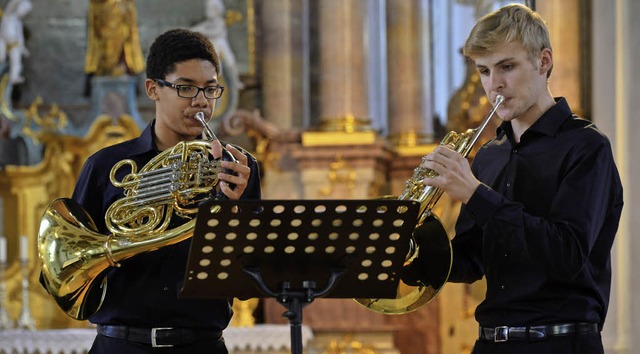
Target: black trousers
107, 345
573, 344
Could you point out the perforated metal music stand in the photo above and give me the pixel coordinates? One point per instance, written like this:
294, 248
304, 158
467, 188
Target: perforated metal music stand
297, 250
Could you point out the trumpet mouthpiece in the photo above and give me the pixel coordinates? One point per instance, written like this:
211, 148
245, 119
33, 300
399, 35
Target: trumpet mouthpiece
499, 99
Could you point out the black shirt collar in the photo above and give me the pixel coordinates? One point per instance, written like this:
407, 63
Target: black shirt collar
548, 124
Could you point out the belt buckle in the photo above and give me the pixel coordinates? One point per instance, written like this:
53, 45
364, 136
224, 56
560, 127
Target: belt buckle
501, 334
154, 332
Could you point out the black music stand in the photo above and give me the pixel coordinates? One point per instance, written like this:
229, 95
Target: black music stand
297, 250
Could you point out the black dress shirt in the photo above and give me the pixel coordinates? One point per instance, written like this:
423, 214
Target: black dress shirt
143, 292
541, 225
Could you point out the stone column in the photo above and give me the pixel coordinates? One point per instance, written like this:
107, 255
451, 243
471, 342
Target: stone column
404, 63
281, 63
344, 130
616, 81
343, 81
408, 133
571, 76
284, 79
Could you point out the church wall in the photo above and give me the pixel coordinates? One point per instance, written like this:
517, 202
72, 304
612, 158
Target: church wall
616, 77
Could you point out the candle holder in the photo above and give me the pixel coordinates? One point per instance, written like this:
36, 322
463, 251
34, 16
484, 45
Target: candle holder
5, 320
25, 321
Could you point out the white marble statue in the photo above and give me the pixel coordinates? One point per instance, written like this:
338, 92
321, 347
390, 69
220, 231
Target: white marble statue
215, 29
12, 37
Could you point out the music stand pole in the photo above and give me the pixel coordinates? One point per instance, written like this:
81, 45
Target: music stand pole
295, 300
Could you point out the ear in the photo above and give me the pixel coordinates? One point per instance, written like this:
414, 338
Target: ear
546, 60
151, 87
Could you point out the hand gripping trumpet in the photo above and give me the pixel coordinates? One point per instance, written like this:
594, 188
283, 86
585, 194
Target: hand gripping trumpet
435, 248
76, 257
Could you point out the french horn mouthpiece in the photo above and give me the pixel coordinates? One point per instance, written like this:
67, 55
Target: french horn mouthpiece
207, 131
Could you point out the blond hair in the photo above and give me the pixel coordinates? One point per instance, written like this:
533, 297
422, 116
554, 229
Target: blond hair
511, 23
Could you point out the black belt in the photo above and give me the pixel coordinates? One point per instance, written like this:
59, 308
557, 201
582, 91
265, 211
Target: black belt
534, 333
159, 337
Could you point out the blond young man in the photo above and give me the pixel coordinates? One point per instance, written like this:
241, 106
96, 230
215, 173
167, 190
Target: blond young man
541, 202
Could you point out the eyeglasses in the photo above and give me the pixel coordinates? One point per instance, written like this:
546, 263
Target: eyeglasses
191, 91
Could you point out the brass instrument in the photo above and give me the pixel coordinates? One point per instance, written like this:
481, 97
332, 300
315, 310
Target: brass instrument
208, 133
429, 230
76, 257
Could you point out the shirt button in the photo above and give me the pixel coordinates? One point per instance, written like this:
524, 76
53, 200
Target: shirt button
502, 287
508, 184
166, 288
515, 151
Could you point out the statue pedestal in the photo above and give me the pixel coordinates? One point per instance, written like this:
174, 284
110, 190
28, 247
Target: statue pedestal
340, 165
114, 97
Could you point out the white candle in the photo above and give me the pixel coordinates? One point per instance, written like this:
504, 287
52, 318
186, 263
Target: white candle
23, 248
1, 215
3, 250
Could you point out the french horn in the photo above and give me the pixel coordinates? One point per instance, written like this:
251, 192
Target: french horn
429, 232
75, 257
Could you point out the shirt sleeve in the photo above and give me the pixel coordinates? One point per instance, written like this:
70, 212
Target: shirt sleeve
89, 193
562, 241
467, 263
253, 190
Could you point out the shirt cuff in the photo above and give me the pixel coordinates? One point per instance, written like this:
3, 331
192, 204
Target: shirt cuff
483, 203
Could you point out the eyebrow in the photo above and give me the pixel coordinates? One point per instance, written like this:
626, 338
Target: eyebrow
191, 81
496, 64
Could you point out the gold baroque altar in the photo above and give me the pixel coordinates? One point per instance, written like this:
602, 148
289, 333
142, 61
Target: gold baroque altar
28, 190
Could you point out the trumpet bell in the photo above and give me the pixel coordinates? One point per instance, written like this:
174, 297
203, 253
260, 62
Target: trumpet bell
433, 267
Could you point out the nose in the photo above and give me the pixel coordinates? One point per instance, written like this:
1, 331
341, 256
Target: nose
496, 82
199, 100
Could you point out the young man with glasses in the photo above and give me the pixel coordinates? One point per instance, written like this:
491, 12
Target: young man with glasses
141, 309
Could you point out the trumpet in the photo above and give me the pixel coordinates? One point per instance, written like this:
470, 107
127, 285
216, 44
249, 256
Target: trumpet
429, 230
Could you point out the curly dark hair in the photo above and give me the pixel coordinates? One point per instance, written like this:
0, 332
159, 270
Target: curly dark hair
175, 46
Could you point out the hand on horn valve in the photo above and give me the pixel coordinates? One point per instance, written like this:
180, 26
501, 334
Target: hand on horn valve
234, 179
